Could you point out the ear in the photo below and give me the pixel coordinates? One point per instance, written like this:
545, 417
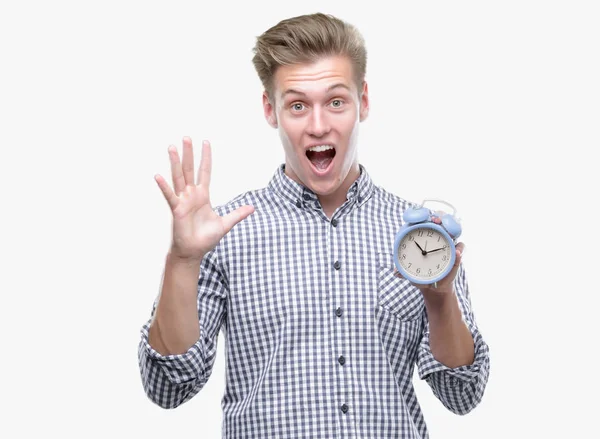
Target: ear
269, 110
364, 102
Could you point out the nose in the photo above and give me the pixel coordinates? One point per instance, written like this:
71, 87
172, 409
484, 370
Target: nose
318, 124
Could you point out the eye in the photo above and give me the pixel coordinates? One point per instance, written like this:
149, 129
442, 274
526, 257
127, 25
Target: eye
337, 103
297, 106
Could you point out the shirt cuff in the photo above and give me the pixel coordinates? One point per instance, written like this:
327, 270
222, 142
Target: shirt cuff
179, 368
427, 364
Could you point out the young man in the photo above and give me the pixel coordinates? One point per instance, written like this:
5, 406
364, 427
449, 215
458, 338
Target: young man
322, 336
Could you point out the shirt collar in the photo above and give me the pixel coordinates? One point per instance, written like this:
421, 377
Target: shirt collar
302, 197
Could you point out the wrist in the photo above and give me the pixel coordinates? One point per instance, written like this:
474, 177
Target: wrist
175, 259
439, 302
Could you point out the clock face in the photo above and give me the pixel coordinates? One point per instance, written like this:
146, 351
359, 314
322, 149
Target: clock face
425, 253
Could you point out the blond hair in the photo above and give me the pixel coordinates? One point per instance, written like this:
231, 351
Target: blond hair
305, 39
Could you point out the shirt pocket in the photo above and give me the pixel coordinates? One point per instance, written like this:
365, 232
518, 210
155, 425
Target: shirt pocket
395, 293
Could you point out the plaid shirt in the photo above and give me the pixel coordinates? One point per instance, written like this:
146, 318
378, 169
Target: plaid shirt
321, 336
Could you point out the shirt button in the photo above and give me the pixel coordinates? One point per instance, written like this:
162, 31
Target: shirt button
359, 200
337, 265
344, 408
342, 360
334, 222
306, 196
298, 203
338, 312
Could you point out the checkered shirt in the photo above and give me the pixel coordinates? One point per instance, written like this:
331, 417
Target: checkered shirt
321, 336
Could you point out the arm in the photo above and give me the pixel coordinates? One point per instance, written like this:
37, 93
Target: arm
453, 357
174, 328
450, 340
178, 345
176, 357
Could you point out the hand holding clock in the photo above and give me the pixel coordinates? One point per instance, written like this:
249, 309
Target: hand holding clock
433, 273
432, 270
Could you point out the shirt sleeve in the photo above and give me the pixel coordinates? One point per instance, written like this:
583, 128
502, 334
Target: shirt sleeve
459, 389
171, 380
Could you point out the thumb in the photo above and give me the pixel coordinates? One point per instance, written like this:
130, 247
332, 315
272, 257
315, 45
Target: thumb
239, 214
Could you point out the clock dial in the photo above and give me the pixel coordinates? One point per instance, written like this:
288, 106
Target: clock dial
424, 253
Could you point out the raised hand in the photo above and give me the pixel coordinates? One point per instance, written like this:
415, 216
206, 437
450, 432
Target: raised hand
196, 227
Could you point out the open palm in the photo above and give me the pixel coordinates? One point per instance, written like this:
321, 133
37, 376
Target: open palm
196, 227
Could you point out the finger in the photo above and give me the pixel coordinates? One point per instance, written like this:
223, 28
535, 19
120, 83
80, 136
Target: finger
188, 161
205, 165
176, 172
460, 250
166, 190
437, 216
236, 216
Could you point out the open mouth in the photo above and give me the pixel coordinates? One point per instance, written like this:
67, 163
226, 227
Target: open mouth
321, 156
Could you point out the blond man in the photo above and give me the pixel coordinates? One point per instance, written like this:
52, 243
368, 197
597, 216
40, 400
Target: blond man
322, 336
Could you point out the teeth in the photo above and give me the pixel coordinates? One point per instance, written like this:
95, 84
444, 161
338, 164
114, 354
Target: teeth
320, 148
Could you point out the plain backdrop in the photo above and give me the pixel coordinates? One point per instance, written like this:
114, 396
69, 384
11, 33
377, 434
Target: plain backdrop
491, 106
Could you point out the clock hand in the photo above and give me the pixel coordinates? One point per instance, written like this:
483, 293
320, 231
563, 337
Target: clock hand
423, 252
431, 251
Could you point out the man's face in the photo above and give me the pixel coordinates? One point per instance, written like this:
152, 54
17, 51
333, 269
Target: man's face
317, 109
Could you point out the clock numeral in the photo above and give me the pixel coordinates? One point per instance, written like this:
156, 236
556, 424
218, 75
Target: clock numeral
403, 246
418, 270
439, 237
420, 233
444, 258
404, 256
411, 238
409, 264
438, 266
430, 271
430, 233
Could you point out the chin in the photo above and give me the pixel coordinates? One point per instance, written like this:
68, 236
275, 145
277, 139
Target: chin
324, 189
325, 186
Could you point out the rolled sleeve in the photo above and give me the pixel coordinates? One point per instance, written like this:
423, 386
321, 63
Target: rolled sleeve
460, 389
180, 368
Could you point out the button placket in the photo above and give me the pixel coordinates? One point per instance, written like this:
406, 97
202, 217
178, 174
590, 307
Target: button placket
338, 295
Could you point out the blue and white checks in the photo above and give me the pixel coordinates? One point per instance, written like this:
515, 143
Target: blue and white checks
321, 335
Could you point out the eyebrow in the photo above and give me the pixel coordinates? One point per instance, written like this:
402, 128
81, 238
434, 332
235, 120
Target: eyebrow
331, 87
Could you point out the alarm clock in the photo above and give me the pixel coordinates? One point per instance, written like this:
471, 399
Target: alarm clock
425, 252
